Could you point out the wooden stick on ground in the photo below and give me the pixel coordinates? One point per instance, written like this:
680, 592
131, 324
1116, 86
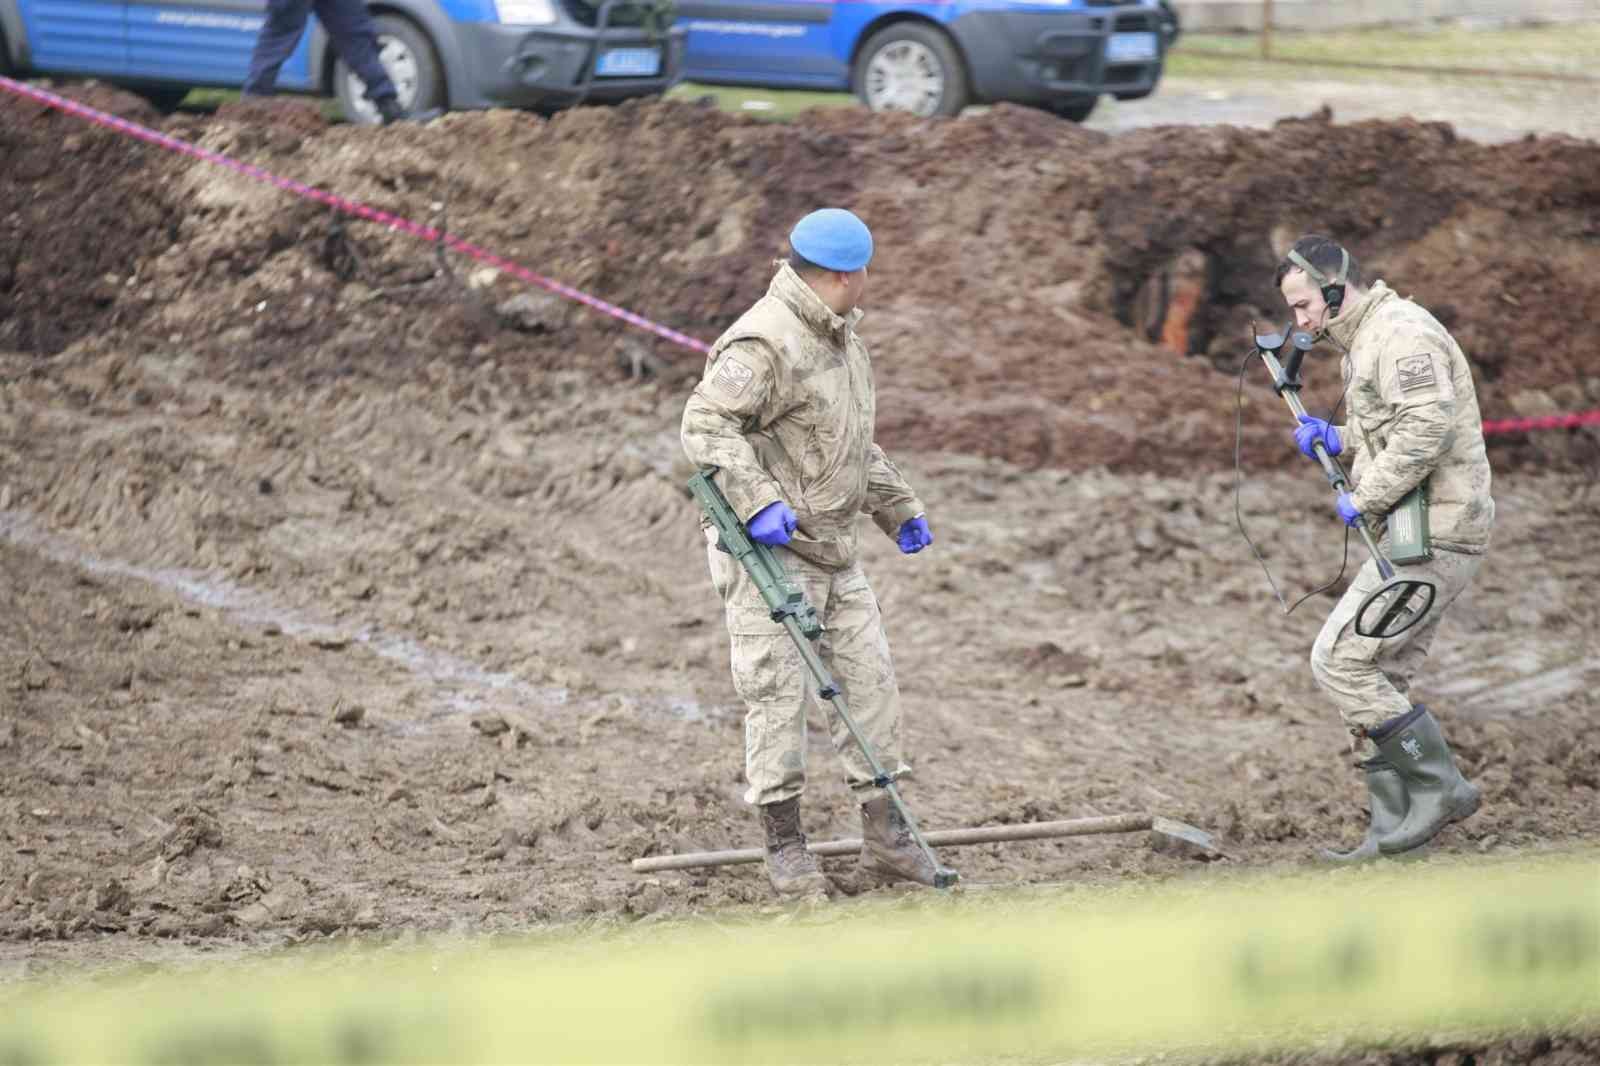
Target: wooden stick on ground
954, 838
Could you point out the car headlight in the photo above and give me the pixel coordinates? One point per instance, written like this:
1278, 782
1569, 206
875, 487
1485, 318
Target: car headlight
525, 12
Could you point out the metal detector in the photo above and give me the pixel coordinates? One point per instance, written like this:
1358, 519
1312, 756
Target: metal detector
1400, 602
789, 608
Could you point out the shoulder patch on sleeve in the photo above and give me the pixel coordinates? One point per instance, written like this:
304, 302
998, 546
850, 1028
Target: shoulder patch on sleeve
732, 376
1415, 372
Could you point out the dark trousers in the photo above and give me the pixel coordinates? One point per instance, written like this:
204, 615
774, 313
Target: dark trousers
347, 22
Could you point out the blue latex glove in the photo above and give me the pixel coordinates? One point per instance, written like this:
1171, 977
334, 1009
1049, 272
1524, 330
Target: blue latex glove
1313, 429
914, 535
1347, 509
773, 524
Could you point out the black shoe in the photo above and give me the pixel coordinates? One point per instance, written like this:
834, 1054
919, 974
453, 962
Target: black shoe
390, 111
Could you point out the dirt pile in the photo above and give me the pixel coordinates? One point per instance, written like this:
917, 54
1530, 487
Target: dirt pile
80, 208
1027, 267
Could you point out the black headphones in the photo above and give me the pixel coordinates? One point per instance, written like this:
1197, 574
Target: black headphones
1332, 288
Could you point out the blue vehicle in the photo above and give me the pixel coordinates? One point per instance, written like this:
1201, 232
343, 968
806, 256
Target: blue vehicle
931, 58
934, 58
453, 54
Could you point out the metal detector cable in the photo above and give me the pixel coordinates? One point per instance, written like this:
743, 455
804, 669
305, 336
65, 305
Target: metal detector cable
1238, 514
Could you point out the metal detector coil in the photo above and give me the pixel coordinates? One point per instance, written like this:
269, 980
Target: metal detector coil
1400, 602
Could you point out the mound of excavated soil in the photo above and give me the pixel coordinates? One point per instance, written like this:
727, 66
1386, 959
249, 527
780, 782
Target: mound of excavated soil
1033, 282
79, 210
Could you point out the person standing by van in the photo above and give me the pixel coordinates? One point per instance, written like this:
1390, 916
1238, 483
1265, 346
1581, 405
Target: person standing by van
354, 35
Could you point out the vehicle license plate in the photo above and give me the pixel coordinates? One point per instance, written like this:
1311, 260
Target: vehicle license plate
1131, 47
628, 63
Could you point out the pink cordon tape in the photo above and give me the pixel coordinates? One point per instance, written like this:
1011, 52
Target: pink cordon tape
351, 207
1524, 425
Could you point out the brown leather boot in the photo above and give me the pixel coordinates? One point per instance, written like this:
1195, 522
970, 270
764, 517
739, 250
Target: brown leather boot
887, 848
791, 868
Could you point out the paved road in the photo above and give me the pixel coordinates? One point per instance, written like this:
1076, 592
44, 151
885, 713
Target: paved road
1480, 109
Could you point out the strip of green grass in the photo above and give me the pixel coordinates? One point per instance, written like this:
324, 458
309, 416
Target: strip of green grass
776, 104
208, 100
1565, 49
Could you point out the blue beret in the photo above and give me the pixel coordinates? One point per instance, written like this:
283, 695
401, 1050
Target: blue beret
832, 238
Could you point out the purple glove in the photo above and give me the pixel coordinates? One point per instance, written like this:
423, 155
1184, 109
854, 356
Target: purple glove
1347, 509
914, 535
1313, 429
773, 524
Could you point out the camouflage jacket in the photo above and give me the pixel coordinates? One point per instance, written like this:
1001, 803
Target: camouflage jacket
1413, 416
786, 409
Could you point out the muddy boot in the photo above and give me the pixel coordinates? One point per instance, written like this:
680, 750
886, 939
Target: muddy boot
1386, 798
1437, 793
887, 848
791, 868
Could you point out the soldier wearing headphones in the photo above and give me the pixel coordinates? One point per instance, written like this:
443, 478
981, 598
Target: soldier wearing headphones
1416, 436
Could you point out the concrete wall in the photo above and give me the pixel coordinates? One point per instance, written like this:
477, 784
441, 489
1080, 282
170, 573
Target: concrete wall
1203, 16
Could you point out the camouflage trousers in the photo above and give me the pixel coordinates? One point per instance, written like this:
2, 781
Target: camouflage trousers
1370, 679
776, 687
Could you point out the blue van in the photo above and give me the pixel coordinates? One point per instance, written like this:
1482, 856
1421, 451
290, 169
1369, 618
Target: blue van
441, 53
931, 58
935, 58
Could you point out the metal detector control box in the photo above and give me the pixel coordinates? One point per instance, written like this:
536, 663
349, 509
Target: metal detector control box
1408, 528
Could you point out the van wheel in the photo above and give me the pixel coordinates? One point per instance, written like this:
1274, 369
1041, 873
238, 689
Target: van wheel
408, 57
1074, 108
910, 67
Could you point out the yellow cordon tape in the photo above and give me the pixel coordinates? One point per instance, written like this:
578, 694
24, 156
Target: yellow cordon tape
1372, 954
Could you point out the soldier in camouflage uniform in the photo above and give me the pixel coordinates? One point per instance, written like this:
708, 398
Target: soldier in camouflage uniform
785, 410
1412, 420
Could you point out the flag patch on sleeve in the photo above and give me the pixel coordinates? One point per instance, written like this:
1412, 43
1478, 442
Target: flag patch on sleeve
1415, 372
732, 376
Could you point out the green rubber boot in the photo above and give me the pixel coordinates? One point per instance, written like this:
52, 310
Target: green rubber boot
1386, 799
1437, 792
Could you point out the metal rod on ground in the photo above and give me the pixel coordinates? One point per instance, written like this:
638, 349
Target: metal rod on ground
1266, 29
954, 838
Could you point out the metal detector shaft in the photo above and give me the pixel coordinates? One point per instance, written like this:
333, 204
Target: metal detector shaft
943, 877
1330, 466
789, 607
1397, 604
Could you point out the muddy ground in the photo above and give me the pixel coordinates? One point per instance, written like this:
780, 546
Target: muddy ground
353, 590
